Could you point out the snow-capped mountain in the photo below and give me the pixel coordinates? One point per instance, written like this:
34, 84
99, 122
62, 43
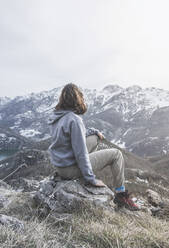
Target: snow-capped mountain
134, 118
4, 100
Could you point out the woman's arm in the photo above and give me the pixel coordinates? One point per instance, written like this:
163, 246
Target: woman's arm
78, 141
93, 131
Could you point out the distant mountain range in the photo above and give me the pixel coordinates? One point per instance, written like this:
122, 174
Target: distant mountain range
134, 118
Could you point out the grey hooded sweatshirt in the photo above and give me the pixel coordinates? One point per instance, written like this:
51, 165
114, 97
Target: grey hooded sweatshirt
69, 143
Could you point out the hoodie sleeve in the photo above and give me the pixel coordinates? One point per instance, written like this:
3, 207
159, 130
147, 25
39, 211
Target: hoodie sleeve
91, 131
78, 141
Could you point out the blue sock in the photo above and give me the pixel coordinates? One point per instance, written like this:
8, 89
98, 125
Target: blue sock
120, 189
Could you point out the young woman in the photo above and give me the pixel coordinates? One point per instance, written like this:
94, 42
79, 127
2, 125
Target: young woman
73, 149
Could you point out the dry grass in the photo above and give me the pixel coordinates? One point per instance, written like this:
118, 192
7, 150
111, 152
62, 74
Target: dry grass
35, 235
121, 230
89, 227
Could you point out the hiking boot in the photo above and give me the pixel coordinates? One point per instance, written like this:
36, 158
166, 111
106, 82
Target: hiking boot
123, 199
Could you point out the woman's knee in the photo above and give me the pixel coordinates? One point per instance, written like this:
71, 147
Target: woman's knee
120, 154
117, 153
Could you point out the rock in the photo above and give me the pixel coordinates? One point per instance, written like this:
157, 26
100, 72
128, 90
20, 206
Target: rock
4, 185
64, 196
162, 211
6, 196
155, 210
154, 198
12, 222
17, 203
25, 184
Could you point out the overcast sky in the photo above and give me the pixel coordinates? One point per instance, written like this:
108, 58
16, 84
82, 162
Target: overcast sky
93, 43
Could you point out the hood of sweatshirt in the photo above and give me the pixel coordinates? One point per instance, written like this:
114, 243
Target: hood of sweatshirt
57, 115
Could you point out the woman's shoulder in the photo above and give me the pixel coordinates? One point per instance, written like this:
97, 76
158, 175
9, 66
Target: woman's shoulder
75, 117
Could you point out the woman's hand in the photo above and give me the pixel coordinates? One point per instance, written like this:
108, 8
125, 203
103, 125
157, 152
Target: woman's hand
100, 136
98, 183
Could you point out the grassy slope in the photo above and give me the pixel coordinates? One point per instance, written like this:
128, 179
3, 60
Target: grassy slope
89, 227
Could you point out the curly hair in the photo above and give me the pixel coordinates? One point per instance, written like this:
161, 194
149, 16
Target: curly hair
71, 98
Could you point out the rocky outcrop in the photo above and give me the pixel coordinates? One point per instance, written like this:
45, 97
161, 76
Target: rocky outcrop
55, 196
12, 222
25, 184
154, 198
6, 194
65, 196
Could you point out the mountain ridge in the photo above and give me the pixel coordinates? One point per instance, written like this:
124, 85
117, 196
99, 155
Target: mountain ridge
131, 117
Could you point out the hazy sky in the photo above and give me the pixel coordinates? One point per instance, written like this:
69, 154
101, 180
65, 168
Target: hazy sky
47, 43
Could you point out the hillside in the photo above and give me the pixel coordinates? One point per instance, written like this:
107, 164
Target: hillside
160, 164
38, 209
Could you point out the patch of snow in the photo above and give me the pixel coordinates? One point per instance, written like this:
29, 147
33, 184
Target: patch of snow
46, 136
138, 179
11, 139
153, 138
122, 144
4, 165
128, 130
127, 181
164, 151
2, 135
118, 143
29, 132
18, 122
27, 114
44, 108
14, 127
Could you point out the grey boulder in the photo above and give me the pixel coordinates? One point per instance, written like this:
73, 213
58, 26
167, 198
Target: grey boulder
63, 196
12, 222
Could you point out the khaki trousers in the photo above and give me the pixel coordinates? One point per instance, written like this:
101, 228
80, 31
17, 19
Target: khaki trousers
99, 160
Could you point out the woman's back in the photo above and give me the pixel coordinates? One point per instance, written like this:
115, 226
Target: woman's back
61, 125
